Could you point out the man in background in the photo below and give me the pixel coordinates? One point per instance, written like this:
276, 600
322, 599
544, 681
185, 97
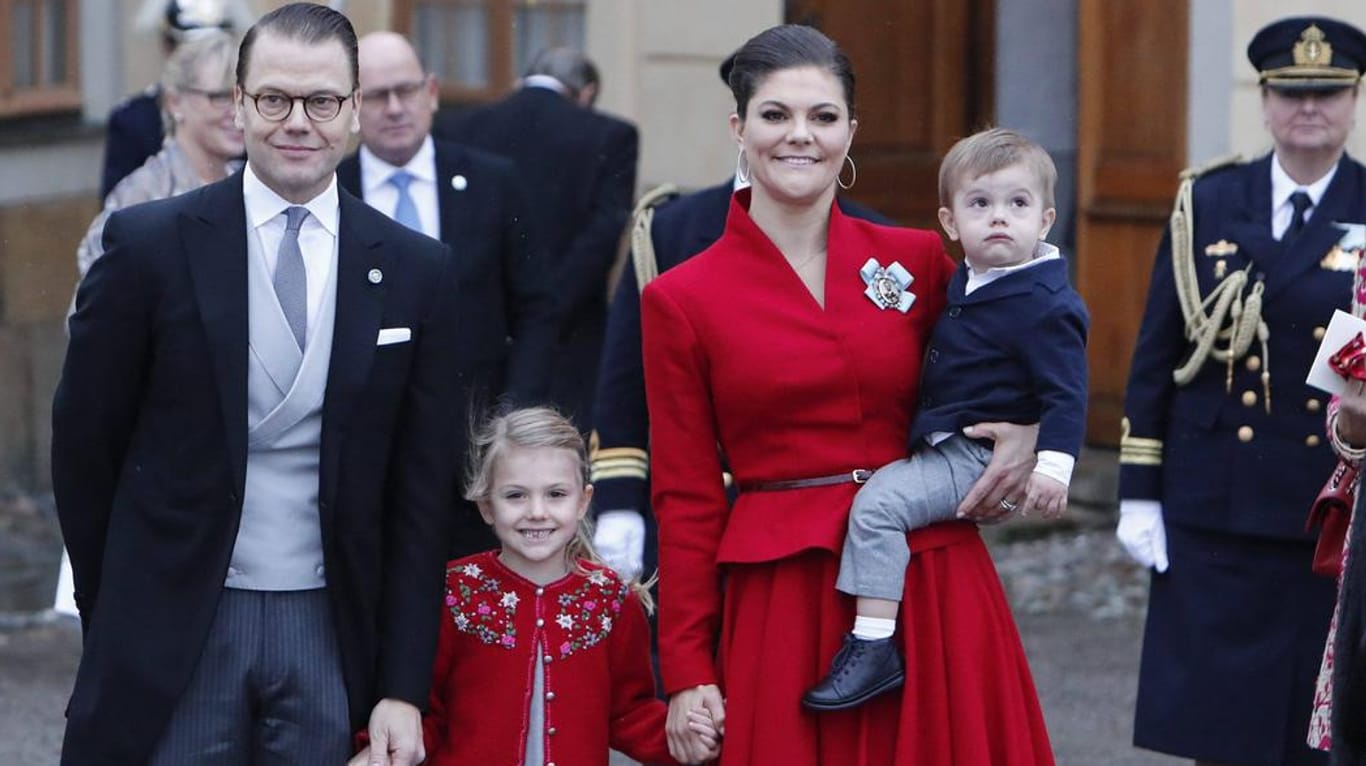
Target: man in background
472, 201
579, 169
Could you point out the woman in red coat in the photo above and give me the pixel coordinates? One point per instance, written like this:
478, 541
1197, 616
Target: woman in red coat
794, 346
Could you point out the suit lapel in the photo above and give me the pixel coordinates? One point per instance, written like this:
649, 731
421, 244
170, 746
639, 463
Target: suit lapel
455, 217
215, 246
360, 306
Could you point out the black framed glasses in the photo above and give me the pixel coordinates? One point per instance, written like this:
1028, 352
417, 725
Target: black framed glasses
217, 99
277, 107
405, 91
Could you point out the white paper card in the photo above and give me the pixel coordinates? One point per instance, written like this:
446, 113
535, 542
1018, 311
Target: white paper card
1340, 332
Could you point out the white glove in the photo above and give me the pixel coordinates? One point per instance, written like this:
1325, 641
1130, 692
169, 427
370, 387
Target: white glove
620, 540
1142, 534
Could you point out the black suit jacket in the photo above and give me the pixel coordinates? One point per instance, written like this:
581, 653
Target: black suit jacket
579, 170
132, 135
506, 303
149, 452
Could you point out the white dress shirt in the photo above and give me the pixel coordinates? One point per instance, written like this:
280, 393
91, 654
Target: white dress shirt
317, 235
1282, 186
383, 196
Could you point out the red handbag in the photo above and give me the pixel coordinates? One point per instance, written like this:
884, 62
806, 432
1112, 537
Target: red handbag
1332, 515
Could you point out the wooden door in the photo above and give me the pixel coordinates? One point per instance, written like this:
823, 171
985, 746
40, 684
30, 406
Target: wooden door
1131, 147
924, 72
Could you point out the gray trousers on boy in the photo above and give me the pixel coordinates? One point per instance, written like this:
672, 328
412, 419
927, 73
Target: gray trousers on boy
908, 494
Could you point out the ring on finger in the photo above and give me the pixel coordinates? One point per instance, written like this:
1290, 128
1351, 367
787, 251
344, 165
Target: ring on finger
1008, 506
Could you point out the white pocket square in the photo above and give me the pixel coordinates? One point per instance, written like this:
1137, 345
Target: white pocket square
391, 335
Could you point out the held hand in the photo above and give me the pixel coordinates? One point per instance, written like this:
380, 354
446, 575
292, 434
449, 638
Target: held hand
699, 720
619, 539
396, 734
1142, 533
1001, 488
685, 744
1046, 495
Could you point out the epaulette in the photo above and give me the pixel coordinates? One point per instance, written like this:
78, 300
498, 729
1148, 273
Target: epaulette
1196, 171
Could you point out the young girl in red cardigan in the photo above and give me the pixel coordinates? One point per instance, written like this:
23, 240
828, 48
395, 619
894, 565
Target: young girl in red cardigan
544, 653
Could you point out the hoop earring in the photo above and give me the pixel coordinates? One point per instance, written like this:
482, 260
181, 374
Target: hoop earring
742, 167
853, 174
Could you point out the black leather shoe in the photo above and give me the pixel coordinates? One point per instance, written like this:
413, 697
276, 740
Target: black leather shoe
860, 671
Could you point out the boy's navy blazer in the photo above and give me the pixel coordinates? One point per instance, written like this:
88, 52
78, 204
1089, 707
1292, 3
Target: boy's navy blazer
1014, 350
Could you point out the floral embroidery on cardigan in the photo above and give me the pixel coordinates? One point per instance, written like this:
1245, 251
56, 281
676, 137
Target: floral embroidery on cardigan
587, 613
481, 608
583, 614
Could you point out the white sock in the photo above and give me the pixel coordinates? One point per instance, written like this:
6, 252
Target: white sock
873, 628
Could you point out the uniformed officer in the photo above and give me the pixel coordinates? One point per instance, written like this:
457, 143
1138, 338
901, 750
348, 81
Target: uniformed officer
1223, 448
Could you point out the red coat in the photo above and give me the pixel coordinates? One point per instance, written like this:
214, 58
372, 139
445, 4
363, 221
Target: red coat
595, 650
738, 354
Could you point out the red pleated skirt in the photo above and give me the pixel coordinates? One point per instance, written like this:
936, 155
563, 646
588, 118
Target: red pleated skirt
969, 699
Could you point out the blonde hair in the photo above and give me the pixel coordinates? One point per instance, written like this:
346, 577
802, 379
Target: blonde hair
991, 150
537, 428
209, 46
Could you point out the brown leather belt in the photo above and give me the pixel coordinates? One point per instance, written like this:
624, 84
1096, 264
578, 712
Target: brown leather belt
856, 476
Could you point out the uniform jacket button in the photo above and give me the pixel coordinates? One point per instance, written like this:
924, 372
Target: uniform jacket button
1245, 434
1249, 398
1312, 440
1254, 363
1313, 405
1319, 333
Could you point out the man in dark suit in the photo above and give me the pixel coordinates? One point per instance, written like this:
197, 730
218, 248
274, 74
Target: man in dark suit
579, 168
473, 202
252, 447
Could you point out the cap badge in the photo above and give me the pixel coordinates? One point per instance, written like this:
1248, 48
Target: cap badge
887, 287
1312, 49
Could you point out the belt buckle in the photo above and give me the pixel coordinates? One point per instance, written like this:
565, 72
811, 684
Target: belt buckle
860, 475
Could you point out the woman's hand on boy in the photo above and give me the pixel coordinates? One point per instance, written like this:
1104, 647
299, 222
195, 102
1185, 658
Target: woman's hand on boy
1001, 488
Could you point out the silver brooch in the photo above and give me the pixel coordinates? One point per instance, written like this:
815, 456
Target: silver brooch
887, 286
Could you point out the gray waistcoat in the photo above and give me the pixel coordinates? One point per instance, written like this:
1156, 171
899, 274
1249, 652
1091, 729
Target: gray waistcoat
279, 542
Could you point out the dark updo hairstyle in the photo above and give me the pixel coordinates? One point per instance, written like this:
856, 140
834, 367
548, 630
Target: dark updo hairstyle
785, 47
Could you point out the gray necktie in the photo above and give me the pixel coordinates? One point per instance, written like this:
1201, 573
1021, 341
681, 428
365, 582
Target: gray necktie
291, 281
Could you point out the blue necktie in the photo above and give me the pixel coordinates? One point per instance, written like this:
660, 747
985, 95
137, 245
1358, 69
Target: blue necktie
290, 279
405, 212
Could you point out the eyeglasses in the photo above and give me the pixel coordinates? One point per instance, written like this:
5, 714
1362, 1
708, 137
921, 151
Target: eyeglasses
277, 107
405, 91
219, 99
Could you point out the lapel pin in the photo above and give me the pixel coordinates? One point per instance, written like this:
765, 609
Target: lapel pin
459, 183
375, 276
